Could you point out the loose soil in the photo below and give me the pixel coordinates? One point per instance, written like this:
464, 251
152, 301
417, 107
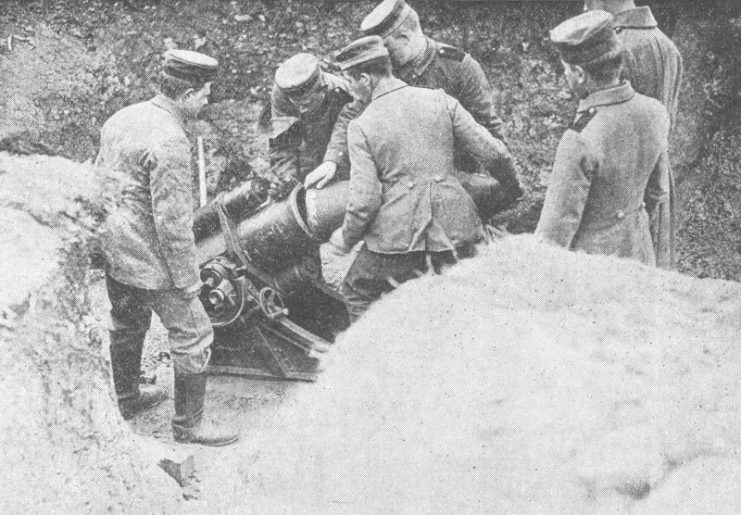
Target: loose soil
564, 383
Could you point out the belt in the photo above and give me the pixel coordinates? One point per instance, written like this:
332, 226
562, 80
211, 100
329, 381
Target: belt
411, 183
608, 220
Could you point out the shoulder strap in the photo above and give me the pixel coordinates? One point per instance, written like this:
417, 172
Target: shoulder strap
583, 120
451, 52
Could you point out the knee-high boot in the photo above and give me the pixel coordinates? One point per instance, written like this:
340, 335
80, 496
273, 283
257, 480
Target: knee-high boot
189, 424
126, 355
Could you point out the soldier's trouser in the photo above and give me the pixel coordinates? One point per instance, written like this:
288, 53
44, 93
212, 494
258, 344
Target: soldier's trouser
372, 274
189, 331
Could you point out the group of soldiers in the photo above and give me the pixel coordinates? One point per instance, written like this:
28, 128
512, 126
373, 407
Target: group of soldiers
406, 119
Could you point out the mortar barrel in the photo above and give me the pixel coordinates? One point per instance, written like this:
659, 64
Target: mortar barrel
486, 191
238, 204
285, 232
325, 209
278, 235
272, 239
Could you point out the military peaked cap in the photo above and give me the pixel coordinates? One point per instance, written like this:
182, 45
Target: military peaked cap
361, 51
298, 73
190, 66
587, 38
385, 18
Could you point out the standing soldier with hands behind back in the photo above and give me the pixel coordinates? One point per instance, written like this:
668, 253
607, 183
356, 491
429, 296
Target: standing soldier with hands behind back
653, 66
611, 165
149, 248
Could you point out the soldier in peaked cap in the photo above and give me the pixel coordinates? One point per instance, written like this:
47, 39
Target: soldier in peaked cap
420, 61
654, 67
405, 203
610, 168
304, 106
149, 249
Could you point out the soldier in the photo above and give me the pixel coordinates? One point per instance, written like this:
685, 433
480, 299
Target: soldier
611, 165
404, 202
149, 249
422, 62
654, 67
304, 106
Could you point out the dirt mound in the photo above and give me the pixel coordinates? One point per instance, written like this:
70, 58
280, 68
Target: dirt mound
65, 447
529, 379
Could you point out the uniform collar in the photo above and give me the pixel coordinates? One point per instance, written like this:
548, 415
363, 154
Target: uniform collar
638, 18
610, 96
418, 65
168, 105
389, 86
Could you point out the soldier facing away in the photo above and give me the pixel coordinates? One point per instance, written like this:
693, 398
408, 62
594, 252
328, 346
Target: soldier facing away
611, 164
405, 203
149, 248
420, 61
654, 67
304, 106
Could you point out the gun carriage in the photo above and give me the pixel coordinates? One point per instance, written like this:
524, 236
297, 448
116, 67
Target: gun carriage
272, 312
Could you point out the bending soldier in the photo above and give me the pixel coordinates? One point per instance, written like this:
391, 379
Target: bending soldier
611, 165
304, 106
420, 61
404, 201
654, 67
149, 248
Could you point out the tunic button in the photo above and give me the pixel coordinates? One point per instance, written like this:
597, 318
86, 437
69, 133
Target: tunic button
410, 184
620, 215
438, 178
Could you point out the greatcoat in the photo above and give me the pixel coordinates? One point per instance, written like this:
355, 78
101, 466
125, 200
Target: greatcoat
609, 175
654, 67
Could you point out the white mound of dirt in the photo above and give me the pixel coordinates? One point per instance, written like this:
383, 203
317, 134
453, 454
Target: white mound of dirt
37, 206
529, 379
65, 447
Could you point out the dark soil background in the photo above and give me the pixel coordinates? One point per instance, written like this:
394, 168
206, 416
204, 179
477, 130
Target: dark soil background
77, 62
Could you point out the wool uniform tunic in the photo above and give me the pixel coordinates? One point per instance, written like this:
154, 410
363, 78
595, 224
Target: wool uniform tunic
443, 67
405, 201
404, 196
609, 174
299, 147
148, 240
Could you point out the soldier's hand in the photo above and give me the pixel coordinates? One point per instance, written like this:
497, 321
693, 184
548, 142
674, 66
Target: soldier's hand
337, 240
191, 291
321, 175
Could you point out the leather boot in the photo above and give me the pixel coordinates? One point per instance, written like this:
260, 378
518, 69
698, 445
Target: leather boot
148, 396
126, 355
188, 425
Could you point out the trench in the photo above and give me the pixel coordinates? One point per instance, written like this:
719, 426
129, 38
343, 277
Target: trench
91, 58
